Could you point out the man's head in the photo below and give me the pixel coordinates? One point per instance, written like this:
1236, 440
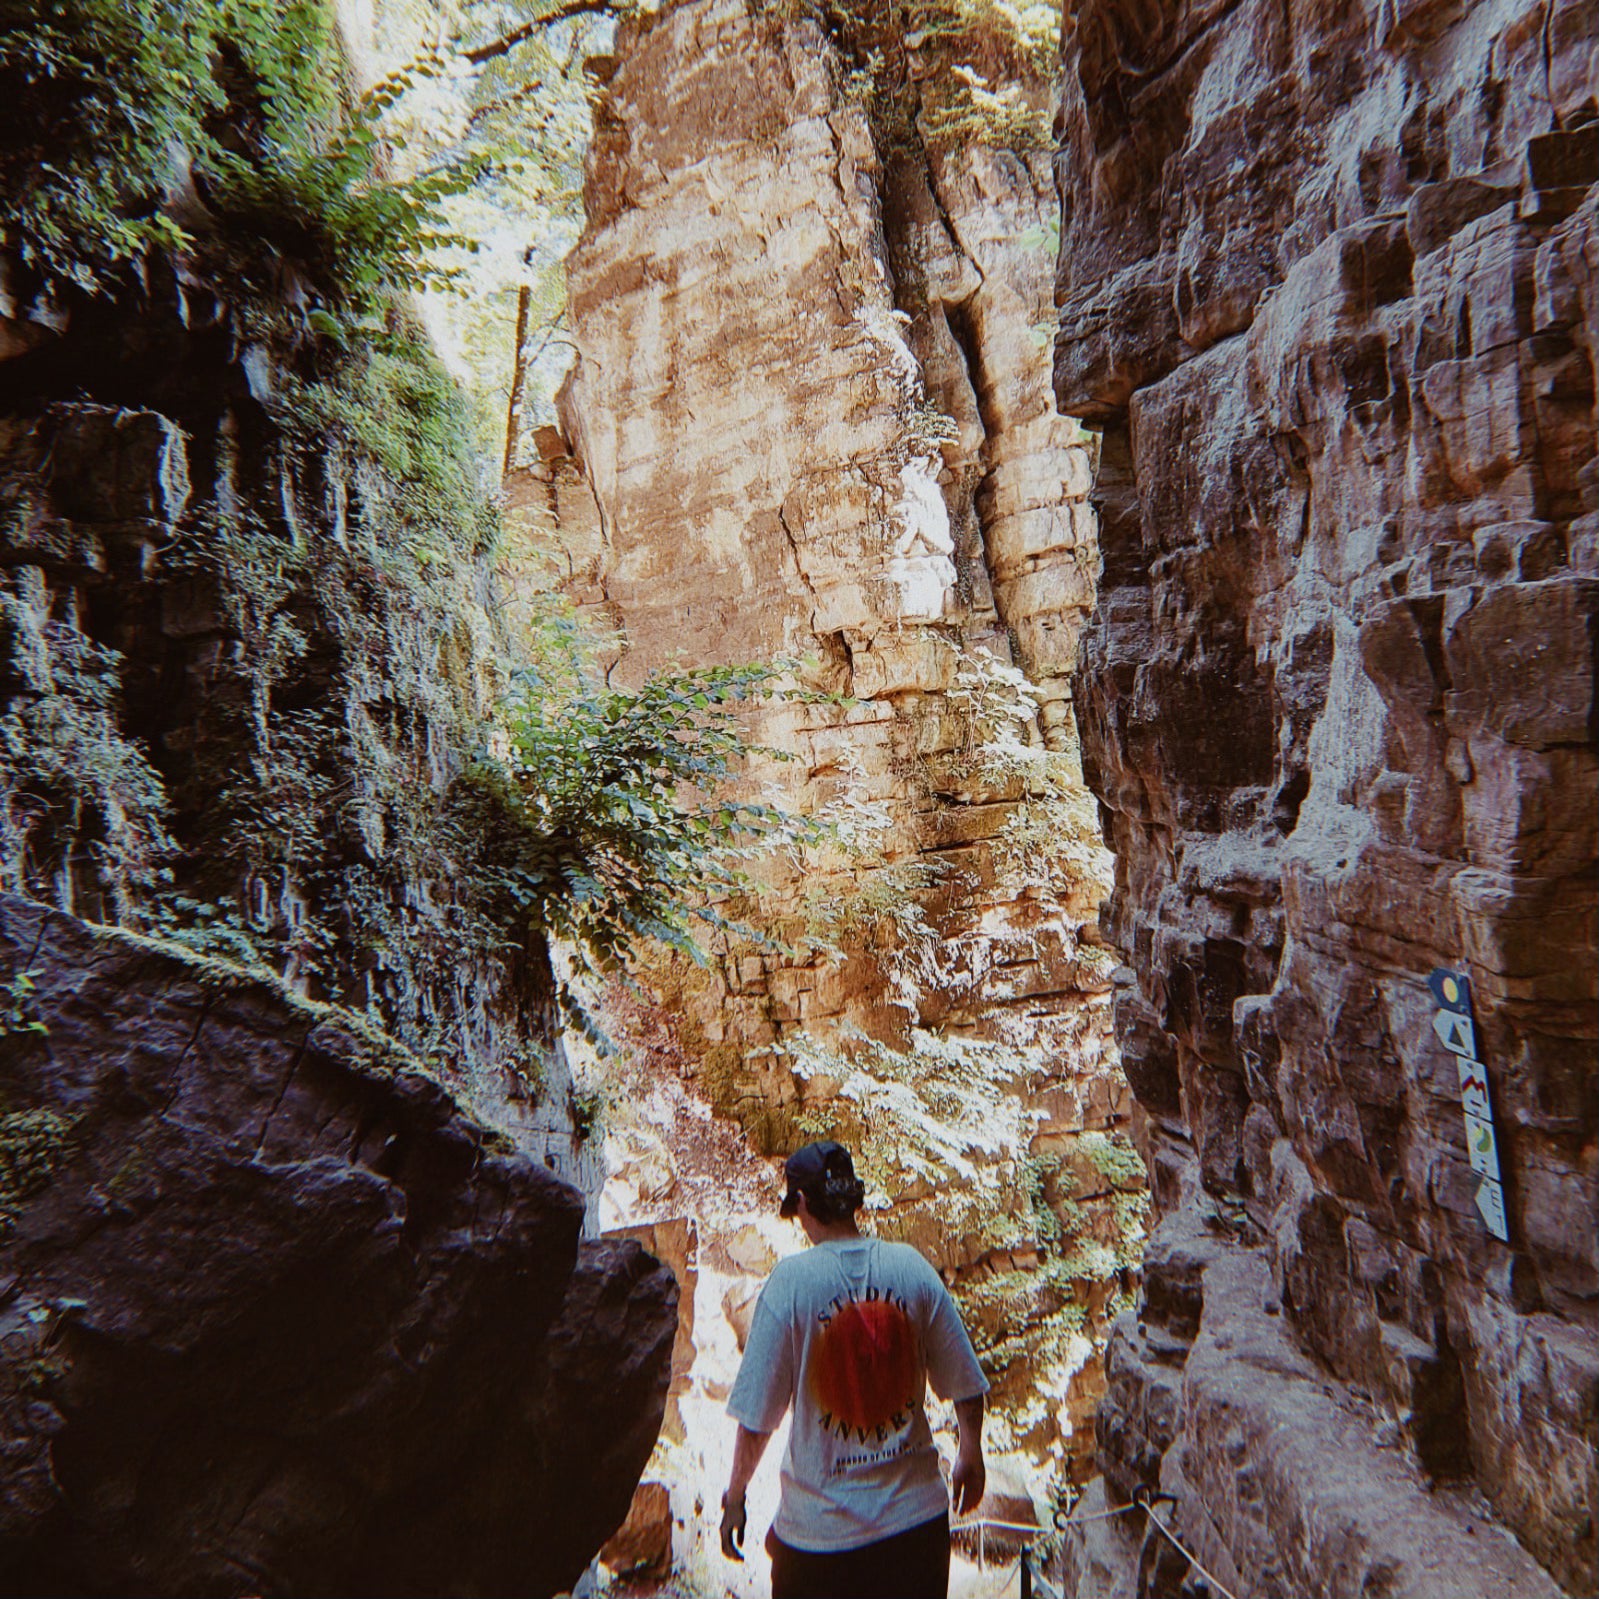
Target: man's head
825, 1175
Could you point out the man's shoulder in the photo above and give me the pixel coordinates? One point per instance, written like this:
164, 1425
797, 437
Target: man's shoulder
789, 1269
904, 1254
909, 1261
792, 1273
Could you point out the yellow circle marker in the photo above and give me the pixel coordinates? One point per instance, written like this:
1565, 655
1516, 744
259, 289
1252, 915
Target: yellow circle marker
1451, 989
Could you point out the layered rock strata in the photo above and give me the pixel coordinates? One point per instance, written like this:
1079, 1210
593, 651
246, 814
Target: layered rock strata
812, 407
773, 478
278, 1320
241, 680
1329, 282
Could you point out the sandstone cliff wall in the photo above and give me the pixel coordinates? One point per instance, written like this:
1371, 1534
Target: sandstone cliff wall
1328, 284
811, 418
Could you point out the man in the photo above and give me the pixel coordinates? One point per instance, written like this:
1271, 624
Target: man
850, 1333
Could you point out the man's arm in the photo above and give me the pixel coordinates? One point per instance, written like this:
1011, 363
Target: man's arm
970, 1475
748, 1448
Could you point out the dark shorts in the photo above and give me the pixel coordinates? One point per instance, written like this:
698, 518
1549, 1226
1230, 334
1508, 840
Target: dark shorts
910, 1565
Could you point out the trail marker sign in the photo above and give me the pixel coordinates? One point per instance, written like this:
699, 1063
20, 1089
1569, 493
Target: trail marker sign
1456, 1032
1481, 1149
1491, 1202
1474, 1089
1451, 990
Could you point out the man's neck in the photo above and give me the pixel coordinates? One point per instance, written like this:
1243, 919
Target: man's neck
831, 1232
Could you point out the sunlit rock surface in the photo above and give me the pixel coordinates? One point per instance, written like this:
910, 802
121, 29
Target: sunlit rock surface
812, 405
1330, 283
277, 1319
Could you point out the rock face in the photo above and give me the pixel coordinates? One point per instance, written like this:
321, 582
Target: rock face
811, 418
814, 412
279, 1320
278, 1312
244, 666
1329, 282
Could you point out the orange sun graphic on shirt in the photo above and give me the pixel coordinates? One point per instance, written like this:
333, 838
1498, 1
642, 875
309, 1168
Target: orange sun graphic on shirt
863, 1367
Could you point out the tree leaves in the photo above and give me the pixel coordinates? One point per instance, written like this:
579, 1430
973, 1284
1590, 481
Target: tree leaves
606, 821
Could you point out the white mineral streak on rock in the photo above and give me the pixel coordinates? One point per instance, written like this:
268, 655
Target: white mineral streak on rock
921, 569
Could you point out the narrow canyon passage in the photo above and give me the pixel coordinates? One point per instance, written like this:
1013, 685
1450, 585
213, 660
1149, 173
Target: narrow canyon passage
592, 593
810, 419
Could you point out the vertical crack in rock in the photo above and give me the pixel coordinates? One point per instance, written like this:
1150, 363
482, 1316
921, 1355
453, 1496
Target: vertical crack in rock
799, 565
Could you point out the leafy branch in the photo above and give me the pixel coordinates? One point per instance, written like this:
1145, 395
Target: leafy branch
604, 819
503, 46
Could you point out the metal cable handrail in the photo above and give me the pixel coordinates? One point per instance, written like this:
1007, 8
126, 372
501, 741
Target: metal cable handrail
1022, 1563
1143, 1501
991, 1521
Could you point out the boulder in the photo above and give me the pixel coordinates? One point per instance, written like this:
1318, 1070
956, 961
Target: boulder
277, 1316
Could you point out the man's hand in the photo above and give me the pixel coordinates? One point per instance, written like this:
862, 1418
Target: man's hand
733, 1523
748, 1448
969, 1480
970, 1476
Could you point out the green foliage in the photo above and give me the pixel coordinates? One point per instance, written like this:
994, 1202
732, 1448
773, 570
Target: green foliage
998, 88
930, 427
589, 1107
91, 93
17, 1012
987, 76
330, 850
33, 1146
528, 1069
218, 126
79, 802
1028, 29
1089, 1260
971, 110
360, 820
1114, 1156
855, 894
880, 898
1037, 1174
591, 834
1043, 236
1132, 1227
388, 402
463, 96
363, 823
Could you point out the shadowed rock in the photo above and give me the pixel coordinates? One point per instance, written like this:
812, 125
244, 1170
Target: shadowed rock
1328, 281
275, 1319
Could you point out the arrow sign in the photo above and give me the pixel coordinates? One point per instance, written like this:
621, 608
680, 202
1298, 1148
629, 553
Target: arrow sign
1491, 1202
1473, 1089
1481, 1149
1456, 1033
1451, 990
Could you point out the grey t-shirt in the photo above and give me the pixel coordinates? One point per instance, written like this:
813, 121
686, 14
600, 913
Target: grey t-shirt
851, 1332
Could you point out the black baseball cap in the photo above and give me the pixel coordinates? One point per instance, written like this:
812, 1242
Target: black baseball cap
807, 1167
